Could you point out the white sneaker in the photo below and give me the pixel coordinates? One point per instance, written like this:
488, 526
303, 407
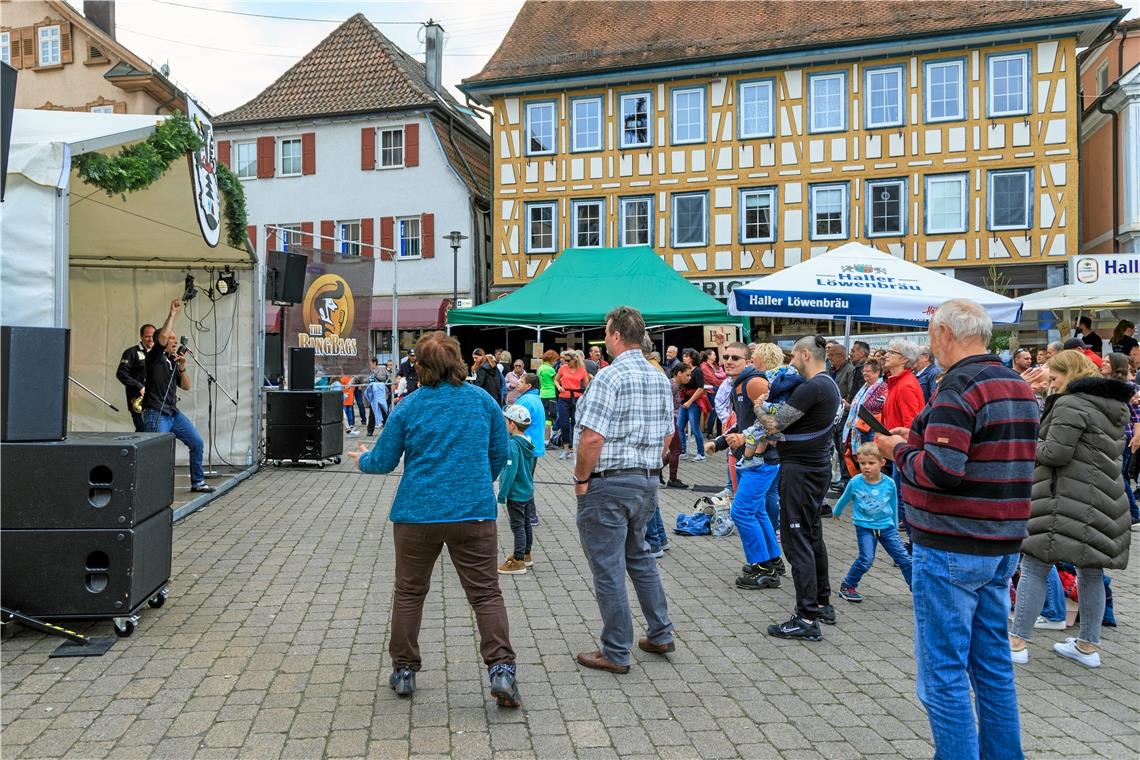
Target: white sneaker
352, 433
699, 458
1049, 625
684, 457
1069, 649
724, 493
564, 455
1019, 656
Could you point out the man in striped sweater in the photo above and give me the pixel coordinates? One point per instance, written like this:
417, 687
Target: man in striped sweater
965, 469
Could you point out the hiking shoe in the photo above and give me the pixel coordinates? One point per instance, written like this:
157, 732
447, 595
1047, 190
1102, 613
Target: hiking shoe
1049, 625
796, 628
504, 684
403, 681
779, 566
527, 561
758, 568
827, 614
850, 594
513, 567
535, 520
1069, 649
757, 582
676, 483
655, 551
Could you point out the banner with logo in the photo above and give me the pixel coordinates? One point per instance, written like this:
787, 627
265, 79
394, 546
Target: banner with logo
1097, 267
334, 316
203, 177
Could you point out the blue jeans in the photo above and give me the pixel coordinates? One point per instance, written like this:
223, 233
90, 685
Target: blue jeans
772, 503
868, 539
1128, 488
1054, 608
684, 418
750, 516
350, 414
655, 529
961, 604
184, 430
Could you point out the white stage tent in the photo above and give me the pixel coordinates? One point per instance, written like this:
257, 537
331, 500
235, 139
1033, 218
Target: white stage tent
858, 283
1123, 292
72, 256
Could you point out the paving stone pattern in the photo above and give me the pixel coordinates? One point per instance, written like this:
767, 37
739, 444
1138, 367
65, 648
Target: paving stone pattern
274, 644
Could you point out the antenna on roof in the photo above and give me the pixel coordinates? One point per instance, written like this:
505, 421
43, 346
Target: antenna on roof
165, 69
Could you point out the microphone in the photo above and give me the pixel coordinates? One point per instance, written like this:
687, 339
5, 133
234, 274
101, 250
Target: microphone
182, 347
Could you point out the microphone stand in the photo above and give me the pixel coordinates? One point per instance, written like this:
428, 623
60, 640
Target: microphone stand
211, 381
106, 403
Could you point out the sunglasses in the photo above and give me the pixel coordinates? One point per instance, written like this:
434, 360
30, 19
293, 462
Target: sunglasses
733, 358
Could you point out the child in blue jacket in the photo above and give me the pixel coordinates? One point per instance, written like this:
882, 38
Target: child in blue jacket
516, 489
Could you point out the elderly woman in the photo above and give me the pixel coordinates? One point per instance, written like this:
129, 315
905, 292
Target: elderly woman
445, 498
518, 369
904, 394
1079, 513
872, 397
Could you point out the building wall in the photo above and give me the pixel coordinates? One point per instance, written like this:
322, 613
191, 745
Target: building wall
791, 161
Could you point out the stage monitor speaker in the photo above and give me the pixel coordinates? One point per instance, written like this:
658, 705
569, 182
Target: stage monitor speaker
85, 573
285, 276
33, 383
88, 480
302, 369
303, 407
304, 441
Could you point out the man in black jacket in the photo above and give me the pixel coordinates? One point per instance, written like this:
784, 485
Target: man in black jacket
487, 374
132, 372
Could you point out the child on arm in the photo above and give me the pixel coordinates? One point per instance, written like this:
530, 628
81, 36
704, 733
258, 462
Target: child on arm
758, 437
876, 518
516, 489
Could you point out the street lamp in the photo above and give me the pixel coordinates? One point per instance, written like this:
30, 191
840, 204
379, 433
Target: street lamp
455, 238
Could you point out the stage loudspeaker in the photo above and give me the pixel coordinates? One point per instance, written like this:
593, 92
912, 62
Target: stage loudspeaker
285, 276
33, 383
304, 441
302, 369
303, 407
85, 573
88, 480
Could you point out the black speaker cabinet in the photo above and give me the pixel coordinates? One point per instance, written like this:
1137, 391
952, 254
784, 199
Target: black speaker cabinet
33, 383
84, 573
88, 480
302, 369
285, 276
304, 441
303, 407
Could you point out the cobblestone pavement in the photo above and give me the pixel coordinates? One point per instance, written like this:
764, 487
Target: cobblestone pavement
273, 644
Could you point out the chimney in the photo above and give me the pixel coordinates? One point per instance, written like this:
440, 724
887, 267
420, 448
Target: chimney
433, 54
101, 13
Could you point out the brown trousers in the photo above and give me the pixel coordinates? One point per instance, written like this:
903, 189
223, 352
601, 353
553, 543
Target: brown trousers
473, 547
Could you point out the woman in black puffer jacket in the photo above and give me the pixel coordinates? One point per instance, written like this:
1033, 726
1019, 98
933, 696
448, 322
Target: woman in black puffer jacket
1080, 511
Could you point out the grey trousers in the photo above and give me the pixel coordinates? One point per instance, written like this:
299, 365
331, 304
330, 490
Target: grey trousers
1031, 599
612, 516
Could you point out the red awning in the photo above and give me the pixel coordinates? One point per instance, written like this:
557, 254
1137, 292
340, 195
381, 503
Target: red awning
272, 318
412, 313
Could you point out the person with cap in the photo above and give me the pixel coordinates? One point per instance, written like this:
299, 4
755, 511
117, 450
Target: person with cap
1076, 344
516, 489
408, 372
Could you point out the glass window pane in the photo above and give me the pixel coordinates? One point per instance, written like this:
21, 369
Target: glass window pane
540, 128
246, 160
541, 232
756, 109
587, 125
886, 208
884, 91
757, 216
587, 225
688, 115
690, 220
827, 102
1006, 78
635, 222
635, 120
944, 205
1009, 201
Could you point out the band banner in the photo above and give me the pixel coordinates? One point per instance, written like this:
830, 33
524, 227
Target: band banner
333, 317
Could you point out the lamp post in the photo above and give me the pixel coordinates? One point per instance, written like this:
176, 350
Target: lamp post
455, 239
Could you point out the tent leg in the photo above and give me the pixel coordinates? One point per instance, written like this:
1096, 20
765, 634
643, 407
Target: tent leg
847, 334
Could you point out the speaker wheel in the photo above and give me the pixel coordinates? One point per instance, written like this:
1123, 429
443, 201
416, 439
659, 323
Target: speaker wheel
124, 629
157, 600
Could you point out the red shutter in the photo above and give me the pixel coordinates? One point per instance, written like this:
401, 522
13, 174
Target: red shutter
328, 232
271, 239
427, 236
387, 223
224, 152
306, 234
367, 238
309, 153
368, 148
251, 232
265, 158
411, 145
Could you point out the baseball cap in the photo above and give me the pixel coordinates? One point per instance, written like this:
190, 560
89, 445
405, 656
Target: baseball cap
518, 414
411, 352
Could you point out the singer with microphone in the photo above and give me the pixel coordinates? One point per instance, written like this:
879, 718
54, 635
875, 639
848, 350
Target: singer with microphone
165, 374
132, 374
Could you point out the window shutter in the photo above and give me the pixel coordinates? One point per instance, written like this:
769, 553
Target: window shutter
411, 145
387, 224
251, 233
367, 238
120, 106
309, 153
306, 234
427, 236
27, 47
368, 148
224, 152
65, 43
265, 159
328, 232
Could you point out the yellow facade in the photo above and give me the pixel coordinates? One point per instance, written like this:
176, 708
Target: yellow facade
794, 159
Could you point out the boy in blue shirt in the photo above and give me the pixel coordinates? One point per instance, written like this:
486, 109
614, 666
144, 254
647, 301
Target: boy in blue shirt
876, 518
516, 489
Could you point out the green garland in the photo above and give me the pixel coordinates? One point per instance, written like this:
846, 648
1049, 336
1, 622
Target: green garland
138, 166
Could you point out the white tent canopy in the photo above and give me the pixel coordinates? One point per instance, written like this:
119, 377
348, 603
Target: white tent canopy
1124, 291
857, 282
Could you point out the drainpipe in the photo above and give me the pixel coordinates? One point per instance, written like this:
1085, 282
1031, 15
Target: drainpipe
476, 271
1115, 172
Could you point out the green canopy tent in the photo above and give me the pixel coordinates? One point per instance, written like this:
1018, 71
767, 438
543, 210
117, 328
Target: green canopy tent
583, 284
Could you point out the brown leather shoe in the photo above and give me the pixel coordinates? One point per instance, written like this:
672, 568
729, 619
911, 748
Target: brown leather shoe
645, 645
598, 661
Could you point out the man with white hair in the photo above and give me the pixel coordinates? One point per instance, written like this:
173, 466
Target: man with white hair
926, 371
965, 469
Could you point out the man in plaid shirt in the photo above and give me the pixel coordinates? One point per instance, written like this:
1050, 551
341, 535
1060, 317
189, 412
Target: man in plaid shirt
624, 422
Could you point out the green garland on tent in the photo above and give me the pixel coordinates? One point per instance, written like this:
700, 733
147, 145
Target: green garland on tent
140, 165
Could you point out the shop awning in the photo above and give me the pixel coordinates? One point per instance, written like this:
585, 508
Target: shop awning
427, 313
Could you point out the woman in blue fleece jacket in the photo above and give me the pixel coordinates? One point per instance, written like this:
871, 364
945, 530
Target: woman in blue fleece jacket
453, 443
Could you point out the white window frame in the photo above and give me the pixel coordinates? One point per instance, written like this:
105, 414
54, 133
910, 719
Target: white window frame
1025, 93
44, 34
575, 207
380, 149
770, 194
845, 210
958, 64
346, 243
101, 109
704, 197
673, 122
963, 181
623, 215
553, 207
6, 47
841, 77
1101, 74
252, 145
403, 236
633, 96
767, 86
869, 202
535, 106
286, 233
1027, 174
575, 145
281, 143
868, 96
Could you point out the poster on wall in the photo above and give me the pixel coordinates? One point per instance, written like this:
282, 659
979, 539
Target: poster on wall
203, 176
334, 316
